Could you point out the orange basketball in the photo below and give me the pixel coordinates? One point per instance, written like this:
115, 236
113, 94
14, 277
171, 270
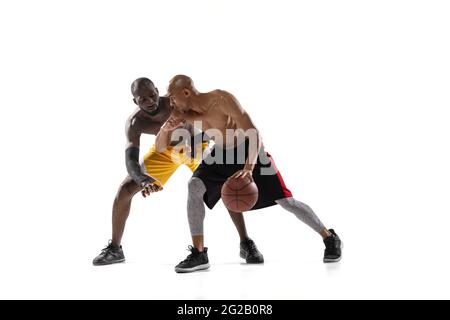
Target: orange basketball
239, 195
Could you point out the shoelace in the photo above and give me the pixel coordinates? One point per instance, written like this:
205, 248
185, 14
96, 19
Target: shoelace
189, 257
108, 247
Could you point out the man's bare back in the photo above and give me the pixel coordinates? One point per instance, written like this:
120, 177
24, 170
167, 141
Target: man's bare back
217, 110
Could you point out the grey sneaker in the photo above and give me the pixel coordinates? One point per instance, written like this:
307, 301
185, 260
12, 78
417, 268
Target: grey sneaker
109, 255
250, 252
194, 262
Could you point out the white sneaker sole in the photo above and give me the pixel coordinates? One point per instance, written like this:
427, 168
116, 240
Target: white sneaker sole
109, 263
196, 268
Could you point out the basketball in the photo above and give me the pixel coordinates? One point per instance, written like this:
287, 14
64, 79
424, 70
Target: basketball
239, 195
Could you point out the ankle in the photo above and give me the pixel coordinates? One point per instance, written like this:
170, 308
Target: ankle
325, 233
200, 248
115, 244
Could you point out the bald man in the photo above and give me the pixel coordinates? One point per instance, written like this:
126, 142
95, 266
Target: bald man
220, 115
157, 167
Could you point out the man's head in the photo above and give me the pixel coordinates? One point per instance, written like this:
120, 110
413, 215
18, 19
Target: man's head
145, 94
180, 91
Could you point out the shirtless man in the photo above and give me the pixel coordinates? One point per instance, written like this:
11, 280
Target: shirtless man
156, 169
218, 111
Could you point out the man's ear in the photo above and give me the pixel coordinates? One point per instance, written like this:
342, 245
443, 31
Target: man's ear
134, 100
186, 92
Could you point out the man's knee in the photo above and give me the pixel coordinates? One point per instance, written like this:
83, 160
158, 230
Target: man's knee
286, 203
196, 187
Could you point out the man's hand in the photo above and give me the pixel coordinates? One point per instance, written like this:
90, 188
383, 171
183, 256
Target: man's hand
173, 122
176, 114
149, 187
163, 138
241, 174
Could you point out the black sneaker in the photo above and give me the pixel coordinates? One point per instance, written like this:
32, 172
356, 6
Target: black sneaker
250, 252
109, 255
333, 248
195, 261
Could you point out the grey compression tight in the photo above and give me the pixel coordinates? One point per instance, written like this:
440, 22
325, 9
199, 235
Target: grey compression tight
196, 209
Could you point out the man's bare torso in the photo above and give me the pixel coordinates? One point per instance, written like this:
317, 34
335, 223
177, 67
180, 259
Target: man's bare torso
213, 118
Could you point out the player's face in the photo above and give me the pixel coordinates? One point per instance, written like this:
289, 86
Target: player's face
178, 100
147, 99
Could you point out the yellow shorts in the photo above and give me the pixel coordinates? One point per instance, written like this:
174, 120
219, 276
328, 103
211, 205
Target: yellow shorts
162, 165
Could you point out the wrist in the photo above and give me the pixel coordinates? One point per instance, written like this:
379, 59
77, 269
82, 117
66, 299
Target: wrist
249, 167
165, 129
146, 179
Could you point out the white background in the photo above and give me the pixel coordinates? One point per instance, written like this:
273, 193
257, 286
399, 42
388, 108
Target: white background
351, 98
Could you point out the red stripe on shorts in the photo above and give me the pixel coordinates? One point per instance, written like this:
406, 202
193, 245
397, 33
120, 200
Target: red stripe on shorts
287, 193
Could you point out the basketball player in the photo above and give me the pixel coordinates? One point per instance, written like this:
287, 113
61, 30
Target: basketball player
220, 110
155, 170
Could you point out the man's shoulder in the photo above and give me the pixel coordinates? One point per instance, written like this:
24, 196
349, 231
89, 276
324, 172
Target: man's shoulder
133, 119
225, 101
220, 98
136, 123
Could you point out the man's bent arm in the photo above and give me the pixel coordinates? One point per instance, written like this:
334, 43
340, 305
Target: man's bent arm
164, 136
233, 108
162, 140
132, 154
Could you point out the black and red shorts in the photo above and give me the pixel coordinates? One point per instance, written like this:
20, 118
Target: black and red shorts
214, 173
